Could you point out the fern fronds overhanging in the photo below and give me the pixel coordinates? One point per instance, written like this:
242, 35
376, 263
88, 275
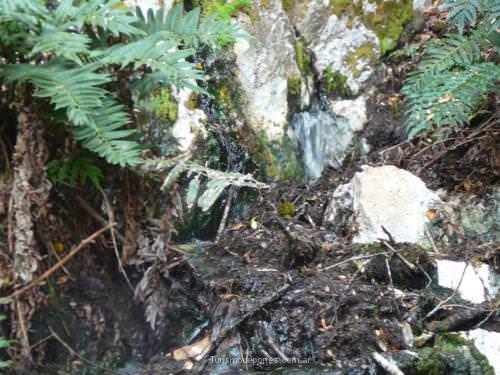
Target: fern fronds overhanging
449, 98
454, 75
74, 51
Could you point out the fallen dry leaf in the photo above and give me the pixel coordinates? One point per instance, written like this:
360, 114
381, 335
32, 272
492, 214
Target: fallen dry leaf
194, 351
237, 227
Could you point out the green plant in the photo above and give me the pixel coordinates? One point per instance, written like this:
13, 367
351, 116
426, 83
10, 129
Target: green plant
4, 343
223, 8
453, 77
75, 169
82, 56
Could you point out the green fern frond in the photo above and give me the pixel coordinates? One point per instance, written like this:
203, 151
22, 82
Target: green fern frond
28, 12
462, 13
76, 89
105, 135
75, 169
449, 97
450, 51
66, 44
109, 15
65, 67
188, 28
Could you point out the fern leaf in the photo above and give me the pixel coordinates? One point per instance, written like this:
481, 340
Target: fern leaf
189, 28
109, 15
454, 49
449, 97
462, 12
67, 44
77, 89
103, 136
28, 12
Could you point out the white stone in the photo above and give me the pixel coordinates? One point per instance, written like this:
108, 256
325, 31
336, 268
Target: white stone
190, 122
354, 111
265, 63
420, 6
384, 196
333, 39
145, 5
488, 343
478, 283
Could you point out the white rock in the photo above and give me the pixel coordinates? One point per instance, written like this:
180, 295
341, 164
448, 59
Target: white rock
354, 111
478, 284
384, 196
189, 123
420, 6
333, 39
265, 63
488, 343
145, 5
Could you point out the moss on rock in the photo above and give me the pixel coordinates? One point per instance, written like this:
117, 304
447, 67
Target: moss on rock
387, 21
366, 52
453, 354
164, 104
224, 8
304, 60
335, 83
287, 5
277, 160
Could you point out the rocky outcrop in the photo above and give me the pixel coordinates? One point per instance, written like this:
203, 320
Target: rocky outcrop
386, 197
266, 67
189, 125
339, 43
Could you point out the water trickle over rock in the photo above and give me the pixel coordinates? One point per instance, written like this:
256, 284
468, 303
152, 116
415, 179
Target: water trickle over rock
323, 140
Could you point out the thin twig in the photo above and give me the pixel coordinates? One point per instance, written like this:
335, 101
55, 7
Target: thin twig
111, 217
351, 260
62, 262
24, 332
387, 365
409, 264
431, 239
440, 304
227, 209
54, 252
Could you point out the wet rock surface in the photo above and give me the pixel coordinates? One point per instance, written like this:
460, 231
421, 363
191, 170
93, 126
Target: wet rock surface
292, 287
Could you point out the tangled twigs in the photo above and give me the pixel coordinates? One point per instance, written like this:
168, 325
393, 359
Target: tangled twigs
62, 262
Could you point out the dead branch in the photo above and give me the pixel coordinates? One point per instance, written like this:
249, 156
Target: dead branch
62, 262
387, 365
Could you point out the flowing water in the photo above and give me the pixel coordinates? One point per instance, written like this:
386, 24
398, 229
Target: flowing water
324, 140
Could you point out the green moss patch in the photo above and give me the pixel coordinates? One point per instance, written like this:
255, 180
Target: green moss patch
304, 60
225, 9
164, 104
387, 22
366, 52
335, 83
286, 208
453, 354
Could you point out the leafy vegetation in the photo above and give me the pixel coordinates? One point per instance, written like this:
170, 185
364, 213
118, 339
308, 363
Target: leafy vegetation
83, 56
456, 72
4, 343
75, 169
